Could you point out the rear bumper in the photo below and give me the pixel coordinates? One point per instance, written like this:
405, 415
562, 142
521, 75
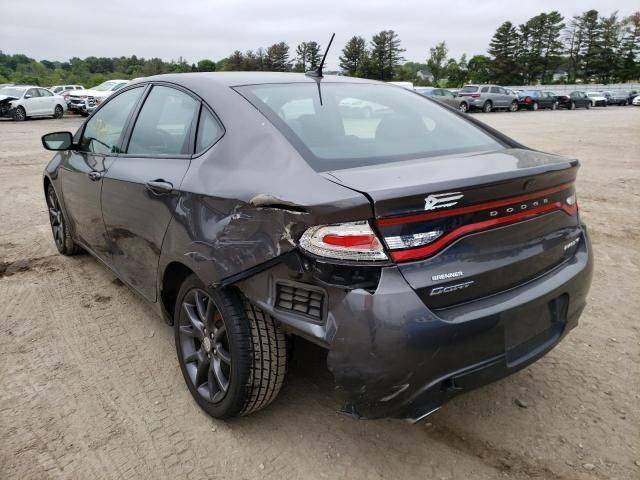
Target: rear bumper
393, 356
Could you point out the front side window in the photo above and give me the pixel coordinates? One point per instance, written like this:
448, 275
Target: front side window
164, 124
364, 124
44, 93
32, 92
102, 132
495, 90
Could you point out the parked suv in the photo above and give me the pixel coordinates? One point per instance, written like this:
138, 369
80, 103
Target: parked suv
427, 253
489, 97
60, 89
85, 101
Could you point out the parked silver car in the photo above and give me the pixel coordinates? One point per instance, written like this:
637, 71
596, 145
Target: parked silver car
489, 97
443, 95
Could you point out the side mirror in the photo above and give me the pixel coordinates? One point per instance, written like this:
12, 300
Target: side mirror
27, 95
57, 141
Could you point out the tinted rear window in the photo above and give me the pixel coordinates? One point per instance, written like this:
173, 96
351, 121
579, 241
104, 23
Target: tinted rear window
364, 124
469, 89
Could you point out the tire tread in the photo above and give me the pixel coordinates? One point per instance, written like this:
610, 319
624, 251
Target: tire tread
269, 359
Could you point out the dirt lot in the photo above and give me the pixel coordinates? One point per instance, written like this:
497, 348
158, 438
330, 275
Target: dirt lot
90, 387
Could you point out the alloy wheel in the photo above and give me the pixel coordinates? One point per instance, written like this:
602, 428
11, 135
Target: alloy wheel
205, 346
463, 107
19, 114
56, 219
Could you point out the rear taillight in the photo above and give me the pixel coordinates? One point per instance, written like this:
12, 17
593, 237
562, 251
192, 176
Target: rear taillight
354, 241
422, 235
527, 100
475, 95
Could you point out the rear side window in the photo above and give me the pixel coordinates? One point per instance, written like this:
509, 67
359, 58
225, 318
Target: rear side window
164, 124
484, 89
209, 131
103, 130
364, 124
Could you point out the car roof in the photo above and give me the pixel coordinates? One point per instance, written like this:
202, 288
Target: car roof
233, 79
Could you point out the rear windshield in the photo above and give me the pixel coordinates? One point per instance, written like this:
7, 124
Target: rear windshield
469, 89
364, 124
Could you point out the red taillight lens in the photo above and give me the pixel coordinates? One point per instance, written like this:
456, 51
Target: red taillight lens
350, 241
527, 100
475, 95
354, 241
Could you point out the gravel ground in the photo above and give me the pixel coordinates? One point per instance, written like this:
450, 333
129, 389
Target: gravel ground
90, 387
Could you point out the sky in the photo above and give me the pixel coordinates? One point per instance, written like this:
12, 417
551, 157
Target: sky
198, 29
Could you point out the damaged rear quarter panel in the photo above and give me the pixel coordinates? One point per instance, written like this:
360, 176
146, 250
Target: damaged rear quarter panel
246, 200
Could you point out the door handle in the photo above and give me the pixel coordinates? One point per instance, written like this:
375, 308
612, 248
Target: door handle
159, 186
94, 175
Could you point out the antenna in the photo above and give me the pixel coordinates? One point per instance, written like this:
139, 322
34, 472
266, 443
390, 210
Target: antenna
318, 71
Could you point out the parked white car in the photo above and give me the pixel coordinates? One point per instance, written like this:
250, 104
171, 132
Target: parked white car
597, 99
85, 101
636, 101
23, 101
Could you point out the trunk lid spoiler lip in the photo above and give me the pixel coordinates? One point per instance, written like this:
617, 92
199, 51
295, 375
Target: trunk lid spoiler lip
348, 178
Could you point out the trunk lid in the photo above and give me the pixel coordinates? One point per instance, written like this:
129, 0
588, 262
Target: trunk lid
464, 227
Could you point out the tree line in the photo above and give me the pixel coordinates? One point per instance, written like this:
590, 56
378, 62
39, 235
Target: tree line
548, 48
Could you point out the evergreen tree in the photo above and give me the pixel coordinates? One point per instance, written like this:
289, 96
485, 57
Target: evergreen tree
386, 55
503, 48
574, 42
630, 48
552, 45
277, 58
353, 54
301, 57
608, 59
592, 31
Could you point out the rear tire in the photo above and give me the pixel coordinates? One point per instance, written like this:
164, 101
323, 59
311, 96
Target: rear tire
514, 106
463, 107
58, 112
487, 107
588, 106
59, 226
534, 107
222, 339
572, 106
554, 106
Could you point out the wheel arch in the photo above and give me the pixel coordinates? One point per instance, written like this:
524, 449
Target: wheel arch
174, 274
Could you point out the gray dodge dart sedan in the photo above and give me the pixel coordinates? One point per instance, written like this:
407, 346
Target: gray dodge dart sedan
426, 252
